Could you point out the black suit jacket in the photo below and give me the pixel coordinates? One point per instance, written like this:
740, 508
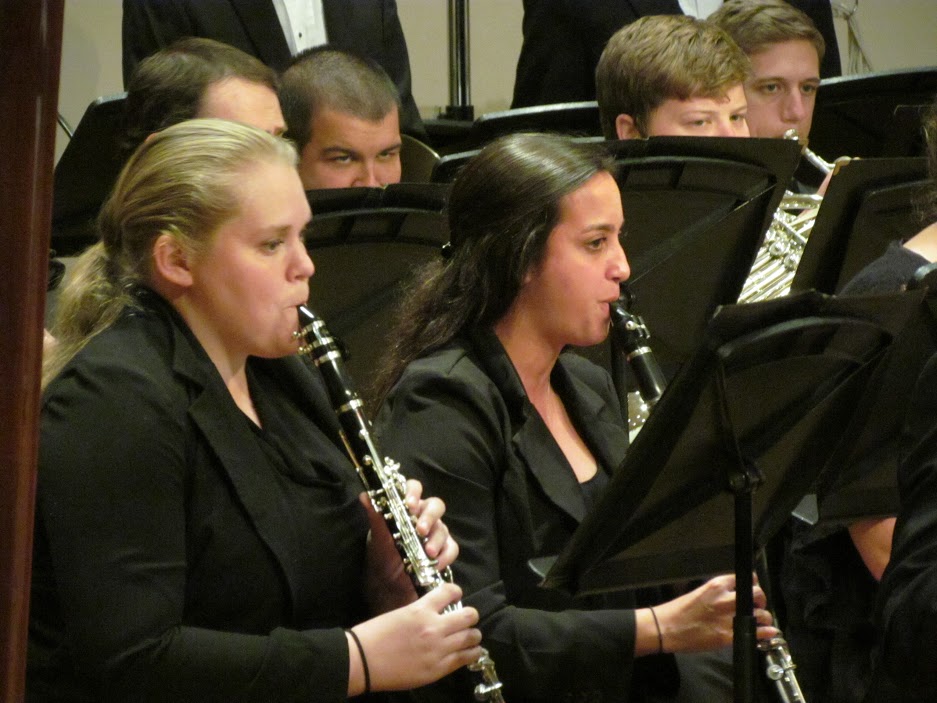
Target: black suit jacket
175, 558
367, 27
459, 420
563, 40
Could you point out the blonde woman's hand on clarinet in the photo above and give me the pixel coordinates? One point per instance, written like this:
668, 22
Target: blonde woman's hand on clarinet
438, 543
699, 620
415, 645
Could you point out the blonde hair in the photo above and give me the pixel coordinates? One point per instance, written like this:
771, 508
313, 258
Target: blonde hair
183, 181
664, 57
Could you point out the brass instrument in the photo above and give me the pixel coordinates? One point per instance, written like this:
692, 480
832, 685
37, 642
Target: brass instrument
631, 332
382, 479
777, 259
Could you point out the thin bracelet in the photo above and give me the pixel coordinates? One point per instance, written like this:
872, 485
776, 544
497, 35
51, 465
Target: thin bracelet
660, 637
364, 661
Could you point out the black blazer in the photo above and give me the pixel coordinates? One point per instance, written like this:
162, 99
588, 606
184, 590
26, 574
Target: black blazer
367, 27
175, 558
459, 420
563, 40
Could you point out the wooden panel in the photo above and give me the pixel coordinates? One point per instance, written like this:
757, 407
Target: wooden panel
30, 51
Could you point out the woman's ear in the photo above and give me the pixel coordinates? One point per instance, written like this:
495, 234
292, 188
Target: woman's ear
625, 127
171, 262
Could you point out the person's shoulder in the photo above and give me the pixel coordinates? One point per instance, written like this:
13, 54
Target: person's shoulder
455, 361
134, 356
889, 272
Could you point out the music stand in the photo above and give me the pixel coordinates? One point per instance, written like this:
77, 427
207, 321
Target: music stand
856, 115
574, 118
869, 203
366, 243
696, 210
767, 392
85, 174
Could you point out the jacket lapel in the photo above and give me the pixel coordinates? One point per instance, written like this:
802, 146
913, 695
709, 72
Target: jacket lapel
532, 441
600, 426
262, 25
224, 427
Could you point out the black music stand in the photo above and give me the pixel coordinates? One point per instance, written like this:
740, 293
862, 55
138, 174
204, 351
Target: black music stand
85, 174
858, 115
696, 210
869, 203
742, 430
575, 119
366, 243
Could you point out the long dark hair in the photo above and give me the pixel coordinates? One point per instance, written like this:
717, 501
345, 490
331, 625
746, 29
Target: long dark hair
501, 210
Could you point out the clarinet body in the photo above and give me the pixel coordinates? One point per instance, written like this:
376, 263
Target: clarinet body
382, 479
779, 667
632, 335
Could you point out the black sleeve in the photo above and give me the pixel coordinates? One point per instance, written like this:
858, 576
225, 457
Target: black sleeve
908, 591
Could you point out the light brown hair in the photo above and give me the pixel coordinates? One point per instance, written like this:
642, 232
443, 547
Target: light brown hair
754, 24
662, 57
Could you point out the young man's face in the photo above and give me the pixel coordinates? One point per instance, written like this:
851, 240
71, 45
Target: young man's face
695, 117
782, 89
344, 151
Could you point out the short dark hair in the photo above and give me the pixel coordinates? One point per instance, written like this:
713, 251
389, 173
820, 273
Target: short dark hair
664, 57
502, 208
168, 87
327, 78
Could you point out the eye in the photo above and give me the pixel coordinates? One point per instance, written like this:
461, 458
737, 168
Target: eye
340, 159
769, 88
809, 89
389, 155
596, 244
738, 118
271, 245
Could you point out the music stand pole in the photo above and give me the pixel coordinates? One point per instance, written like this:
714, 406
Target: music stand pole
742, 482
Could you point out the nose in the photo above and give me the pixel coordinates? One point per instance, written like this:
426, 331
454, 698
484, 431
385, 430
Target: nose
619, 270
303, 267
727, 128
794, 108
368, 176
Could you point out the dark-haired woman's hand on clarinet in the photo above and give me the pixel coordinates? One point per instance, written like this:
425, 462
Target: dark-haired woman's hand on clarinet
698, 621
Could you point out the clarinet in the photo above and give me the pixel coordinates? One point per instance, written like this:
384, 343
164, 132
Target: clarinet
382, 479
632, 335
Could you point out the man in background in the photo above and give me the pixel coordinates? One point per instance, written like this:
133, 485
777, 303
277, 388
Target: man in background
563, 40
671, 75
343, 113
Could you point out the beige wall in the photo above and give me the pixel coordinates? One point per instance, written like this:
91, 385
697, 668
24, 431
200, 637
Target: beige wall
894, 33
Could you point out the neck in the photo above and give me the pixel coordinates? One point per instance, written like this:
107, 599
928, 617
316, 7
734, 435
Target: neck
533, 357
